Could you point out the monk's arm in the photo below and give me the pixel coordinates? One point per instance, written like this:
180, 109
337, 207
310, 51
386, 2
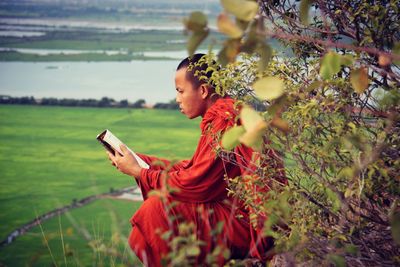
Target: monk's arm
199, 181
154, 162
161, 163
201, 178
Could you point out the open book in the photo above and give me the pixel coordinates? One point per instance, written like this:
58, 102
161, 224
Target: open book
112, 144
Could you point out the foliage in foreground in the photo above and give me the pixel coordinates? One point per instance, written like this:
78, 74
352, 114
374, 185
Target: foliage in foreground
332, 111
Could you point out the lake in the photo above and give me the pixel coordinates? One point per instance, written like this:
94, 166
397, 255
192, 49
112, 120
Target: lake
150, 80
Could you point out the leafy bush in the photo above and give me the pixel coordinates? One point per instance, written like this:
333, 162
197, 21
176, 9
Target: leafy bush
331, 110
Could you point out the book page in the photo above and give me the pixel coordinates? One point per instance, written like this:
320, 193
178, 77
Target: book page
116, 143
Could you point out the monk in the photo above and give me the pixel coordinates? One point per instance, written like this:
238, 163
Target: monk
198, 187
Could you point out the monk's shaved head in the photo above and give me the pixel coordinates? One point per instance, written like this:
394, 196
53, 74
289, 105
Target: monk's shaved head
198, 71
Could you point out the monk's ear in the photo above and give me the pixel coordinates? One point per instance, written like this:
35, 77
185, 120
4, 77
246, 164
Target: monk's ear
204, 91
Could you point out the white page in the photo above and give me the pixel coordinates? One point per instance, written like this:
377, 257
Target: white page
116, 143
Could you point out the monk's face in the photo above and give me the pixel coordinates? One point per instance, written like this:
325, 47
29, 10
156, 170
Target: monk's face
191, 100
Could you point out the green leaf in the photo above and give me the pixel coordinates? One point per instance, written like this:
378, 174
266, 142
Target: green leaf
197, 21
359, 80
265, 52
230, 139
330, 65
304, 8
166, 235
294, 238
396, 51
337, 260
242, 9
193, 251
314, 85
395, 226
249, 118
346, 172
277, 105
332, 196
195, 40
351, 249
228, 27
346, 60
356, 141
269, 88
226, 254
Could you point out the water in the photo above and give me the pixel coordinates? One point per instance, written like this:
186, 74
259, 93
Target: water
149, 54
149, 80
171, 54
112, 26
21, 33
46, 52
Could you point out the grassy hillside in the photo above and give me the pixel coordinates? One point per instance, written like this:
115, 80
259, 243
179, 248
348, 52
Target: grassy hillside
49, 156
105, 221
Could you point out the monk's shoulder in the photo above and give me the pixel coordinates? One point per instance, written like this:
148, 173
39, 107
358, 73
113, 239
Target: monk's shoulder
222, 115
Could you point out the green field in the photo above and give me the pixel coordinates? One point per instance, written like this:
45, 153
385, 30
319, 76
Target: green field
93, 39
49, 156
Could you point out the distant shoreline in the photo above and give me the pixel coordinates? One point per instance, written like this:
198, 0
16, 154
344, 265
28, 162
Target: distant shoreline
104, 102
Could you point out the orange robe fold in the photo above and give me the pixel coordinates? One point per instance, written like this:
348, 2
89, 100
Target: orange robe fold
201, 195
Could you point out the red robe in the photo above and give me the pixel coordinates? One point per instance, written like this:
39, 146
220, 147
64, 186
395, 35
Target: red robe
201, 196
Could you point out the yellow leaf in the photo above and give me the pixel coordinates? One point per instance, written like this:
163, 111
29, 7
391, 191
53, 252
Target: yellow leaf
269, 88
192, 250
242, 24
280, 124
359, 79
228, 27
254, 137
229, 52
230, 139
276, 108
314, 85
346, 60
197, 21
242, 9
265, 53
195, 40
116, 238
396, 52
252, 39
330, 65
304, 8
70, 231
348, 193
384, 60
250, 118
395, 226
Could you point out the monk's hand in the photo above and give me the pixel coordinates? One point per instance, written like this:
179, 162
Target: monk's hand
125, 163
